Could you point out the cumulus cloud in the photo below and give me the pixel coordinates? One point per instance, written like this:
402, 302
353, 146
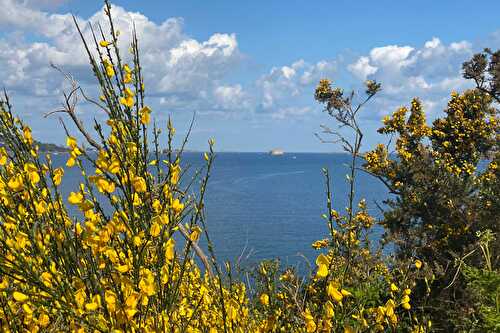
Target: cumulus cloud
173, 62
183, 73
45, 4
232, 98
362, 68
284, 85
430, 72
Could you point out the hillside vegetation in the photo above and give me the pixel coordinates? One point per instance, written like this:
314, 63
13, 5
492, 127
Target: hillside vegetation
125, 270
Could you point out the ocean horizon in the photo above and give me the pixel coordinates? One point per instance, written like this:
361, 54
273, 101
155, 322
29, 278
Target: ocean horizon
260, 206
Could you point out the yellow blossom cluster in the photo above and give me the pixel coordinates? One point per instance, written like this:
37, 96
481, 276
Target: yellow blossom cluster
117, 254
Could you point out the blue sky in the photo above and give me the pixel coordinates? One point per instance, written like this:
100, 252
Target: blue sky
249, 68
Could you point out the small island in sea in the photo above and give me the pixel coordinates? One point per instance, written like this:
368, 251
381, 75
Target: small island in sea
276, 152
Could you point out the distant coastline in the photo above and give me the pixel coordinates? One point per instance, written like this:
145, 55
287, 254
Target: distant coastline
46, 147
50, 147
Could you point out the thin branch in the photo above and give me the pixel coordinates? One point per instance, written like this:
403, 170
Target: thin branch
94, 102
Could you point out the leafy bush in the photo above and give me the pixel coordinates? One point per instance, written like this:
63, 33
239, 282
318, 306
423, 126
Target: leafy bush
445, 182
122, 269
119, 264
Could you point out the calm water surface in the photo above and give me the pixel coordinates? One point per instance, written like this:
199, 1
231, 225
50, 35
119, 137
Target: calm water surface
265, 206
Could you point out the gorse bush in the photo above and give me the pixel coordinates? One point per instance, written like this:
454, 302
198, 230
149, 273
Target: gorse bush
445, 183
118, 265
120, 269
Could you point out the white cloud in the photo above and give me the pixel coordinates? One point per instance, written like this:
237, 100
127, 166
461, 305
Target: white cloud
45, 4
429, 72
183, 73
283, 86
222, 43
461, 46
433, 43
232, 98
362, 68
288, 72
172, 61
291, 111
391, 56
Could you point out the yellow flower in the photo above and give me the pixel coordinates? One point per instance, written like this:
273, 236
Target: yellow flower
46, 279
145, 115
78, 229
418, 264
195, 234
155, 229
104, 43
110, 299
329, 310
136, 200
40, 207
75, 198
139, 184
71, 142
33, 173
20, 297
122, 268
127, 69
43, 320
58, 174
110, 72
91, 306
137, 240
3, 156
175, 171
333, 292
114, 167
322, 262
27, 134
310, 324
170, 249
147, 283
71, 162
27, 309
127, 78
394, 288
127, 101
130, 313
4, 284
177, 206
406, 306
131, 301
346, 293
128, 92
104, 185
264, 299
16, 183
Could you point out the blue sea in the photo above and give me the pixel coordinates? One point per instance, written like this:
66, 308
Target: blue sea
260, 206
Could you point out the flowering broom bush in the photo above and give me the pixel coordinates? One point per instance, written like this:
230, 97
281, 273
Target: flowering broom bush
118, 265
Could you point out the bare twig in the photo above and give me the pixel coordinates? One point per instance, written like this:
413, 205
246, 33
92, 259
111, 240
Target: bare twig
199, 252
